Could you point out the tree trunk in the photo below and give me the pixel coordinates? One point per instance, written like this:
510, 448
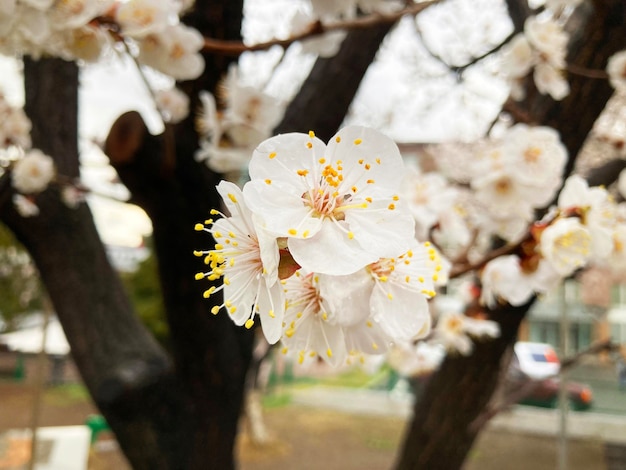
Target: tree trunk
441, 433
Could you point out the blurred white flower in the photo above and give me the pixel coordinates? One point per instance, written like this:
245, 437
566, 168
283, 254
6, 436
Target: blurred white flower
24, 206
411, 360
616, 68
453, 331
173, 104
566, 245
138, 18
32, 173
174, 51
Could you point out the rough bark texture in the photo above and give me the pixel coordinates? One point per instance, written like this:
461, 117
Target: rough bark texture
440, 434
114, 353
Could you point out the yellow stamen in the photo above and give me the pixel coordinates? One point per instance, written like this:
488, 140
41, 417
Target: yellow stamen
249, 323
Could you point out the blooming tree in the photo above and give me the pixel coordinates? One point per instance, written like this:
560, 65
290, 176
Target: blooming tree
321, 232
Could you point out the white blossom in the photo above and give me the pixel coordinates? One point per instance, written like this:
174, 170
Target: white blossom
32, 173
25, 206
337, 204
173, 104
566, 245
246, 258
616, 68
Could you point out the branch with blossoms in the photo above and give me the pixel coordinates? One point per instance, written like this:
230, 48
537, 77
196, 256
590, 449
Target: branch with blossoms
317, 28
528, 386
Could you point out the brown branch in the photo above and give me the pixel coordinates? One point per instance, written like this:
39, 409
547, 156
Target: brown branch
316, 28
531, 384
463, 268
587, 72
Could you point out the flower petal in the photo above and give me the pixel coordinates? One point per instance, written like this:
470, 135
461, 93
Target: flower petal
330, 251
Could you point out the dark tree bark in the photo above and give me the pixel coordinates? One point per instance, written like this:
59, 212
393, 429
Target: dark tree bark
441, 432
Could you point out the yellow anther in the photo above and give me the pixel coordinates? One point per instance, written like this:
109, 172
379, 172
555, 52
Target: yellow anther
272, 155
391, 206
197, 253
374, 346
271, 314
309, 144
369, 324
395, 198
361, 161
378, 161
350, 235
312, 354
249, 323
407, 278
435, 277
215, 310
329, 352
421, 278
305, 234
383, 278
268, 181
208, 221
324, 316
390, 296
354, 189
228, 304
232, 198
368, 199
311, 134
426, 244
368, 166
219, 246
337, 139
198, 227
214, 212
370, 181
199, 276
284, 350
217, 235
289, 333
303, 172
322, 161
409, 254
299, 315
292, 231
357, 141
226, 281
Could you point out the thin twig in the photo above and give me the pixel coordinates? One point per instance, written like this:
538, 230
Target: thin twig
529, 386
587, 73
317, 28
458, 270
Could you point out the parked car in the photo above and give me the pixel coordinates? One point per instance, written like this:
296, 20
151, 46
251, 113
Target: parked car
539, 361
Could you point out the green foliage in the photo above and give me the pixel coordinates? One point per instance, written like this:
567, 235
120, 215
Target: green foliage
19, 280
145, 292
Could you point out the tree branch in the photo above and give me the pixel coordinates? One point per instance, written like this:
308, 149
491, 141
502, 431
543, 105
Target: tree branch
317, 28
531, 384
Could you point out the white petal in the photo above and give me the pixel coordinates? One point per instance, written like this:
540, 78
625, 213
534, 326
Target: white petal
281, 156
330, 251
383, 232
356, 143
403, 317
280, 208
347, 296
272, 300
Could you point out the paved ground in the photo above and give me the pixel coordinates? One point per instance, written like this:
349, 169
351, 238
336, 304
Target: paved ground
333, 428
